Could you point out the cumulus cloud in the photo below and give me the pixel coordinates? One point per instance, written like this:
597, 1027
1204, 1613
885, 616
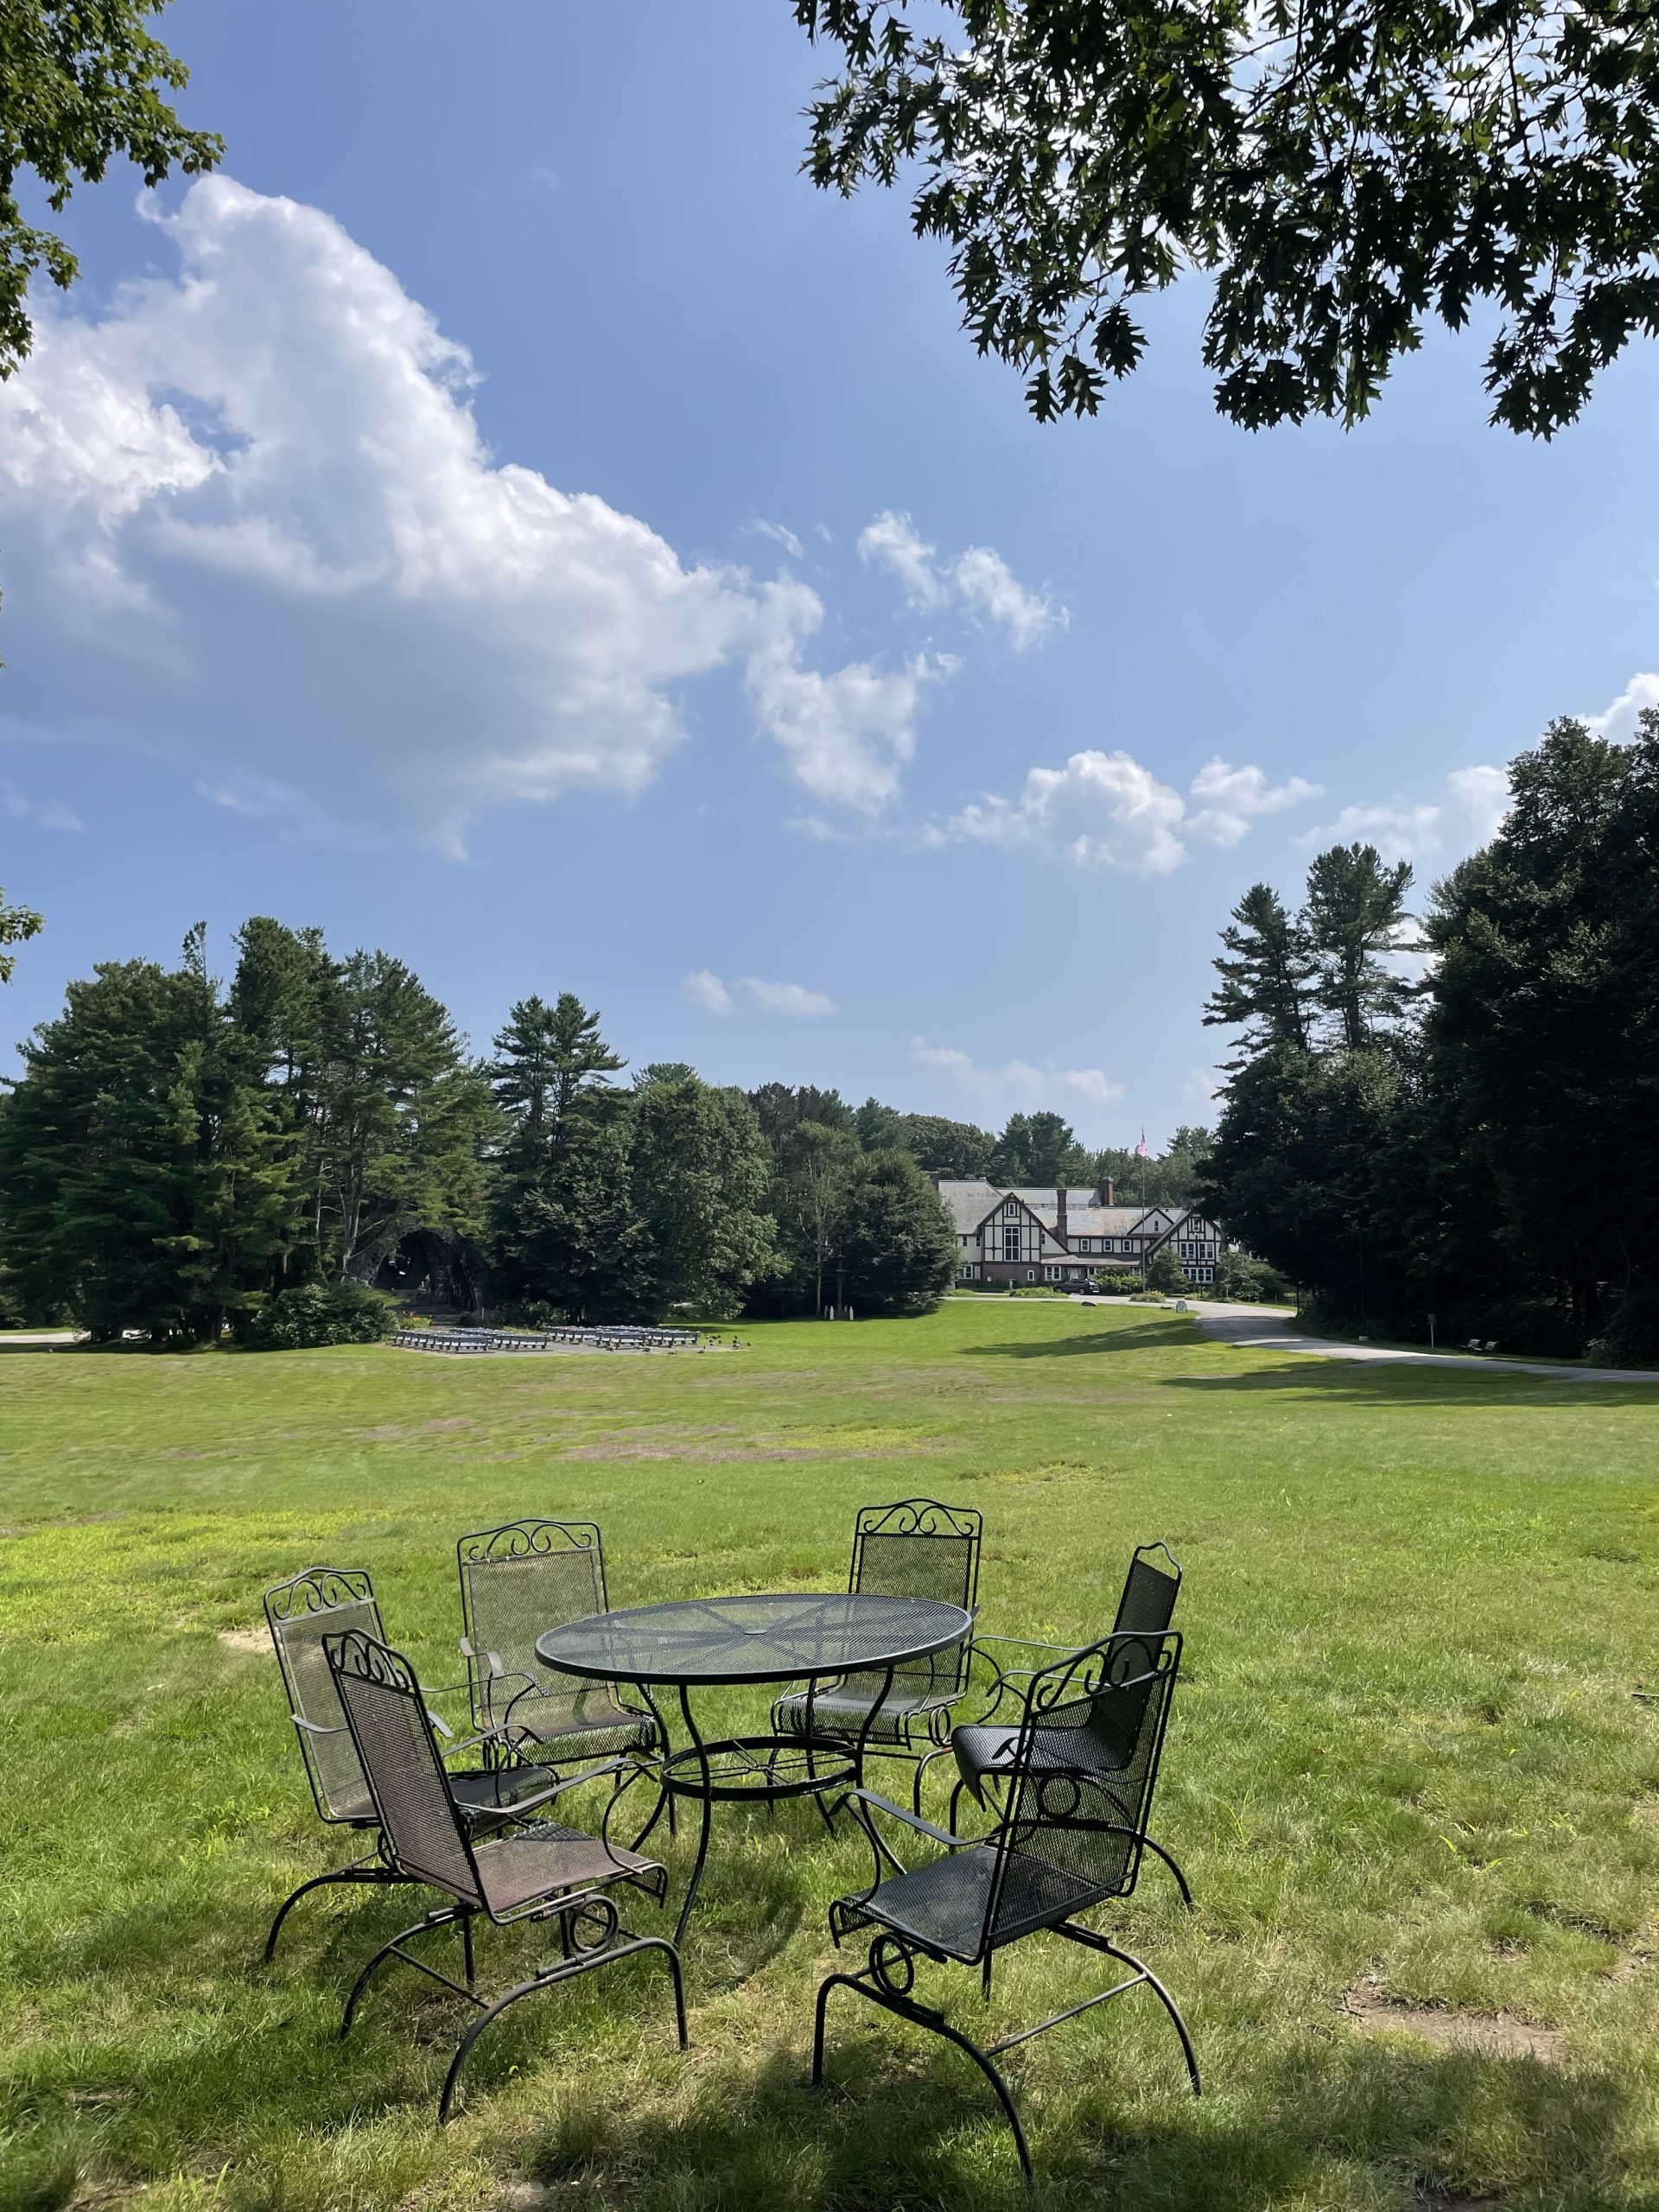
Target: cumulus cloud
1226, 800
251, 524
1105, 810
704, 988
979, 580
1428, 832
1618, 722
1017, 1086
786, 998
44, 813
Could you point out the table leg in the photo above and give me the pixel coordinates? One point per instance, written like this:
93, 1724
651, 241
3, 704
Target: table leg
869, 1722
707, 1800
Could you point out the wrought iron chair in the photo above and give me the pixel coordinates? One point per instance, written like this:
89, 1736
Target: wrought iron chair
300, 1613
984, 1750
537, 1872
1079, 1790
516, 1581
917, 1549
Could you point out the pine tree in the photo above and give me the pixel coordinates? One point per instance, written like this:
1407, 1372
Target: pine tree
898, 1247
1355, 916
1267, 972
700, 1171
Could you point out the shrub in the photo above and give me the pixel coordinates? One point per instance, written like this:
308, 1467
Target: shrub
1147, 1297
1251, 1282
320, 1313
1117, 1282
1165, 1271
1631, 1338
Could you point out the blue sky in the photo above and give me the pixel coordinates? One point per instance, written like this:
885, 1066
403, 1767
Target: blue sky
511, 518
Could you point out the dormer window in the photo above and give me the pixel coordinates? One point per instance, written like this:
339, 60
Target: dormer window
1012, 1210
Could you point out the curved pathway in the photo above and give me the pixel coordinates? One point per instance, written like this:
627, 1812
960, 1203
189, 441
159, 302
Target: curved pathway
1268, 1329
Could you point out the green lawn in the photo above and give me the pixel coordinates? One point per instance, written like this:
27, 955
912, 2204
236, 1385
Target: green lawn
1406, 1775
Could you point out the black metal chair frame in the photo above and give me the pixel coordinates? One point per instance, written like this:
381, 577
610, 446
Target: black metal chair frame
986, 1774
486, 1674
1048, 1802
414, 1804
922, 1729
484, 1795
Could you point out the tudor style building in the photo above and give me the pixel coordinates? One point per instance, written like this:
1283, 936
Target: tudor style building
1064, 1234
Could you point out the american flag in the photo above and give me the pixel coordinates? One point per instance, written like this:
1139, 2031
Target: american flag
1141, 1149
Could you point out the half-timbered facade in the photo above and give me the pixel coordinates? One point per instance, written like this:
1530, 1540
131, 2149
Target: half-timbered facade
1065, 1234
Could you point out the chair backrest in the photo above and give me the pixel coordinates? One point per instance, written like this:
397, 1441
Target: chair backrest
919, 1548
516, 1581
300, 1613
1149, 1591
1083, 1772
392, 1731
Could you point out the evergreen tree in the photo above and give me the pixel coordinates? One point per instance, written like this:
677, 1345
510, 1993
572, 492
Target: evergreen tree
1355, 916
1266, 971
565, 1227
816, 1168
958, 1151
898, 1247
1035, 1149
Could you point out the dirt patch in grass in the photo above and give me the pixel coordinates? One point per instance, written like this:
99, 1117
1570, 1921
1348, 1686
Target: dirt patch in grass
701, 1452
249, 1643
1495, 2035
393, 1432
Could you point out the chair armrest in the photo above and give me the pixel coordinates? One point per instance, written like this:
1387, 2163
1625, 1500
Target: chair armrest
1026, 1643
911, 1820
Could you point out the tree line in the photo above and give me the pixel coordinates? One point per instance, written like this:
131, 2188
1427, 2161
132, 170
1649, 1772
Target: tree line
1478, 1142
182, 1155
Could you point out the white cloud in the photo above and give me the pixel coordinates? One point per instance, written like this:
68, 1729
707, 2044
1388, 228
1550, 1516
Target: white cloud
1203, 1085
980, 578
1619, 720
992, 591
1017, 1086
251, 524
846, 734
45, 813
759, 527
1429, 832
892, 542
704, 988
1106, 810
1229, 799
786, 998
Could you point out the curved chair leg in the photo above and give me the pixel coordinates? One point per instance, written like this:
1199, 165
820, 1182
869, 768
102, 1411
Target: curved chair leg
360, 1872
387, 1950
939, 2027
547, 1978
1100, 1943
1169, 1861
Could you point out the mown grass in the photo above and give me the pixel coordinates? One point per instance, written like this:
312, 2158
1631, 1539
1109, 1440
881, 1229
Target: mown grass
1405, 1763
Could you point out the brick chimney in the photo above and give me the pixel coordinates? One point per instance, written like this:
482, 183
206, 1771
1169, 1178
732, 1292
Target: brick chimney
1106, 1198
1059, 1212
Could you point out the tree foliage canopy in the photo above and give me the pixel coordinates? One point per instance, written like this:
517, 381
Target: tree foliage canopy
16, 924
81, 81
1345, 171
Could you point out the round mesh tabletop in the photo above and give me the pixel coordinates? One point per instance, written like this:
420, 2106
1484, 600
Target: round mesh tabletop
763, 1638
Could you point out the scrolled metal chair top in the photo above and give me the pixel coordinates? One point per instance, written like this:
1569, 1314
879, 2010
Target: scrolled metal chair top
319, 1590
528, 1538
919, 1517
356, 1653
1115, 1663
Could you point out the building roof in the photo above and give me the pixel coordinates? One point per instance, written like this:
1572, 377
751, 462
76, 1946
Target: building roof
968, 1202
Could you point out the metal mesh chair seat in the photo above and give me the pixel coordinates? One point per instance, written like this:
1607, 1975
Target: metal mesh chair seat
943, 1906
842, 1709
542, 1857
601, 1726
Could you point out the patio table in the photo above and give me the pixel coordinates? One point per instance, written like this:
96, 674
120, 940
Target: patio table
726, 1642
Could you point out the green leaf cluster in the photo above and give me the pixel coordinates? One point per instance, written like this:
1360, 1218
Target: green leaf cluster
1344, 175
